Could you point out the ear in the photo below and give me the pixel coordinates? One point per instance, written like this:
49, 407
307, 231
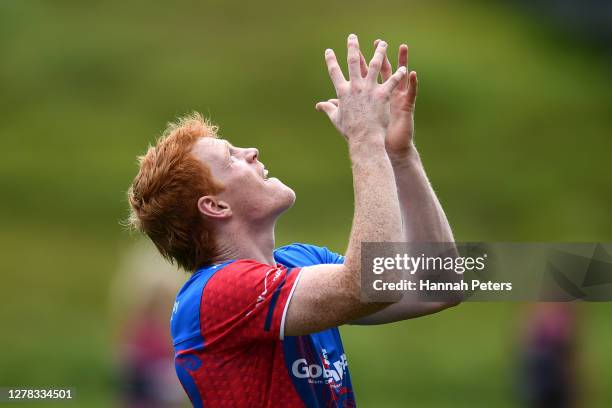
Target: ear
212, 207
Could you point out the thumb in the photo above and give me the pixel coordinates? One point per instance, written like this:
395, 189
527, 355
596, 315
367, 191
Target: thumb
394, 80
327, 107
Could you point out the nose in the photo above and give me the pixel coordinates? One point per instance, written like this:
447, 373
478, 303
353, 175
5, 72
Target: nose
252, 154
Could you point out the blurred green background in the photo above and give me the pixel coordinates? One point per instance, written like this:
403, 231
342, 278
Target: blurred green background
513, 125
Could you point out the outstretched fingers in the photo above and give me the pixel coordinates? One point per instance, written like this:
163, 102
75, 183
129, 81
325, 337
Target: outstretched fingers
402, 61
413, 87
386, 70
335, 73
363, 65
353, 58
377, 62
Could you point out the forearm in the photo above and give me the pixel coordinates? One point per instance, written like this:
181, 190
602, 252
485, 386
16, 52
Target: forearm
374, 220
423, 218
423, 221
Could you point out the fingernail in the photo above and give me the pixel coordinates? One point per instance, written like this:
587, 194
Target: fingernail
328, 51
352, 37
382, 44
402, 69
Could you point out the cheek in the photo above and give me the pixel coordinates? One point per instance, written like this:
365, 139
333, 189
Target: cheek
235, 176
243, 187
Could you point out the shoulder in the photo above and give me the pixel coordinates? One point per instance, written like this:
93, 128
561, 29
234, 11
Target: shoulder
192, 289
185, 317
222, 276
299, 254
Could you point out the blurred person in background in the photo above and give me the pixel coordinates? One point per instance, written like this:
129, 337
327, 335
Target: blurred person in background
548, 374
141, 295
254, 326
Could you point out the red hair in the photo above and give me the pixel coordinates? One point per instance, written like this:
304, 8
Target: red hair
164, 194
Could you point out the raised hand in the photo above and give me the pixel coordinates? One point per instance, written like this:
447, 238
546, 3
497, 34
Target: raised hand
362, 110
400, 133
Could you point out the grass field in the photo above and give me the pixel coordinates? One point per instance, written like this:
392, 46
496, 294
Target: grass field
513, 124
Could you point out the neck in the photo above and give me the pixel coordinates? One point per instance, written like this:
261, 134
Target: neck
243, 241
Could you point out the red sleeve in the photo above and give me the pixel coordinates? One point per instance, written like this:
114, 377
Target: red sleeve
246, 301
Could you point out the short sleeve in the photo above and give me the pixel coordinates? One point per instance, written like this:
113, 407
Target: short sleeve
246, 301
298, 254
332, 257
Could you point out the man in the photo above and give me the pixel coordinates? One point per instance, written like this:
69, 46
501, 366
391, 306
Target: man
254, 326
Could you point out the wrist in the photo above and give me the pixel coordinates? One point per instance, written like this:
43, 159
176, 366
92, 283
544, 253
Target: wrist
408, 157
374, 142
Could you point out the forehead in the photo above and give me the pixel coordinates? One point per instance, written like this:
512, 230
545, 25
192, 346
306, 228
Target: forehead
211, 150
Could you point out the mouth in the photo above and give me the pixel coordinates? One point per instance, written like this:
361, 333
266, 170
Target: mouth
264, 174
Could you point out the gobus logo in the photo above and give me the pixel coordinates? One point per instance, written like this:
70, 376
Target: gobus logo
301, 369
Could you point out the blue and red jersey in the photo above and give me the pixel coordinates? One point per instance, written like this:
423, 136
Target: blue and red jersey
230, 349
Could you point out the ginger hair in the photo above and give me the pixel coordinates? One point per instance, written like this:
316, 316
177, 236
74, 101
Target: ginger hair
164, 194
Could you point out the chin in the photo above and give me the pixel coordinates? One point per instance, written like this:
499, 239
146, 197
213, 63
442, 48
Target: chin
285, 196
288, 196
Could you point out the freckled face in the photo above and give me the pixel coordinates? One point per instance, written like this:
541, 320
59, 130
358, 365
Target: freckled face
247, 188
